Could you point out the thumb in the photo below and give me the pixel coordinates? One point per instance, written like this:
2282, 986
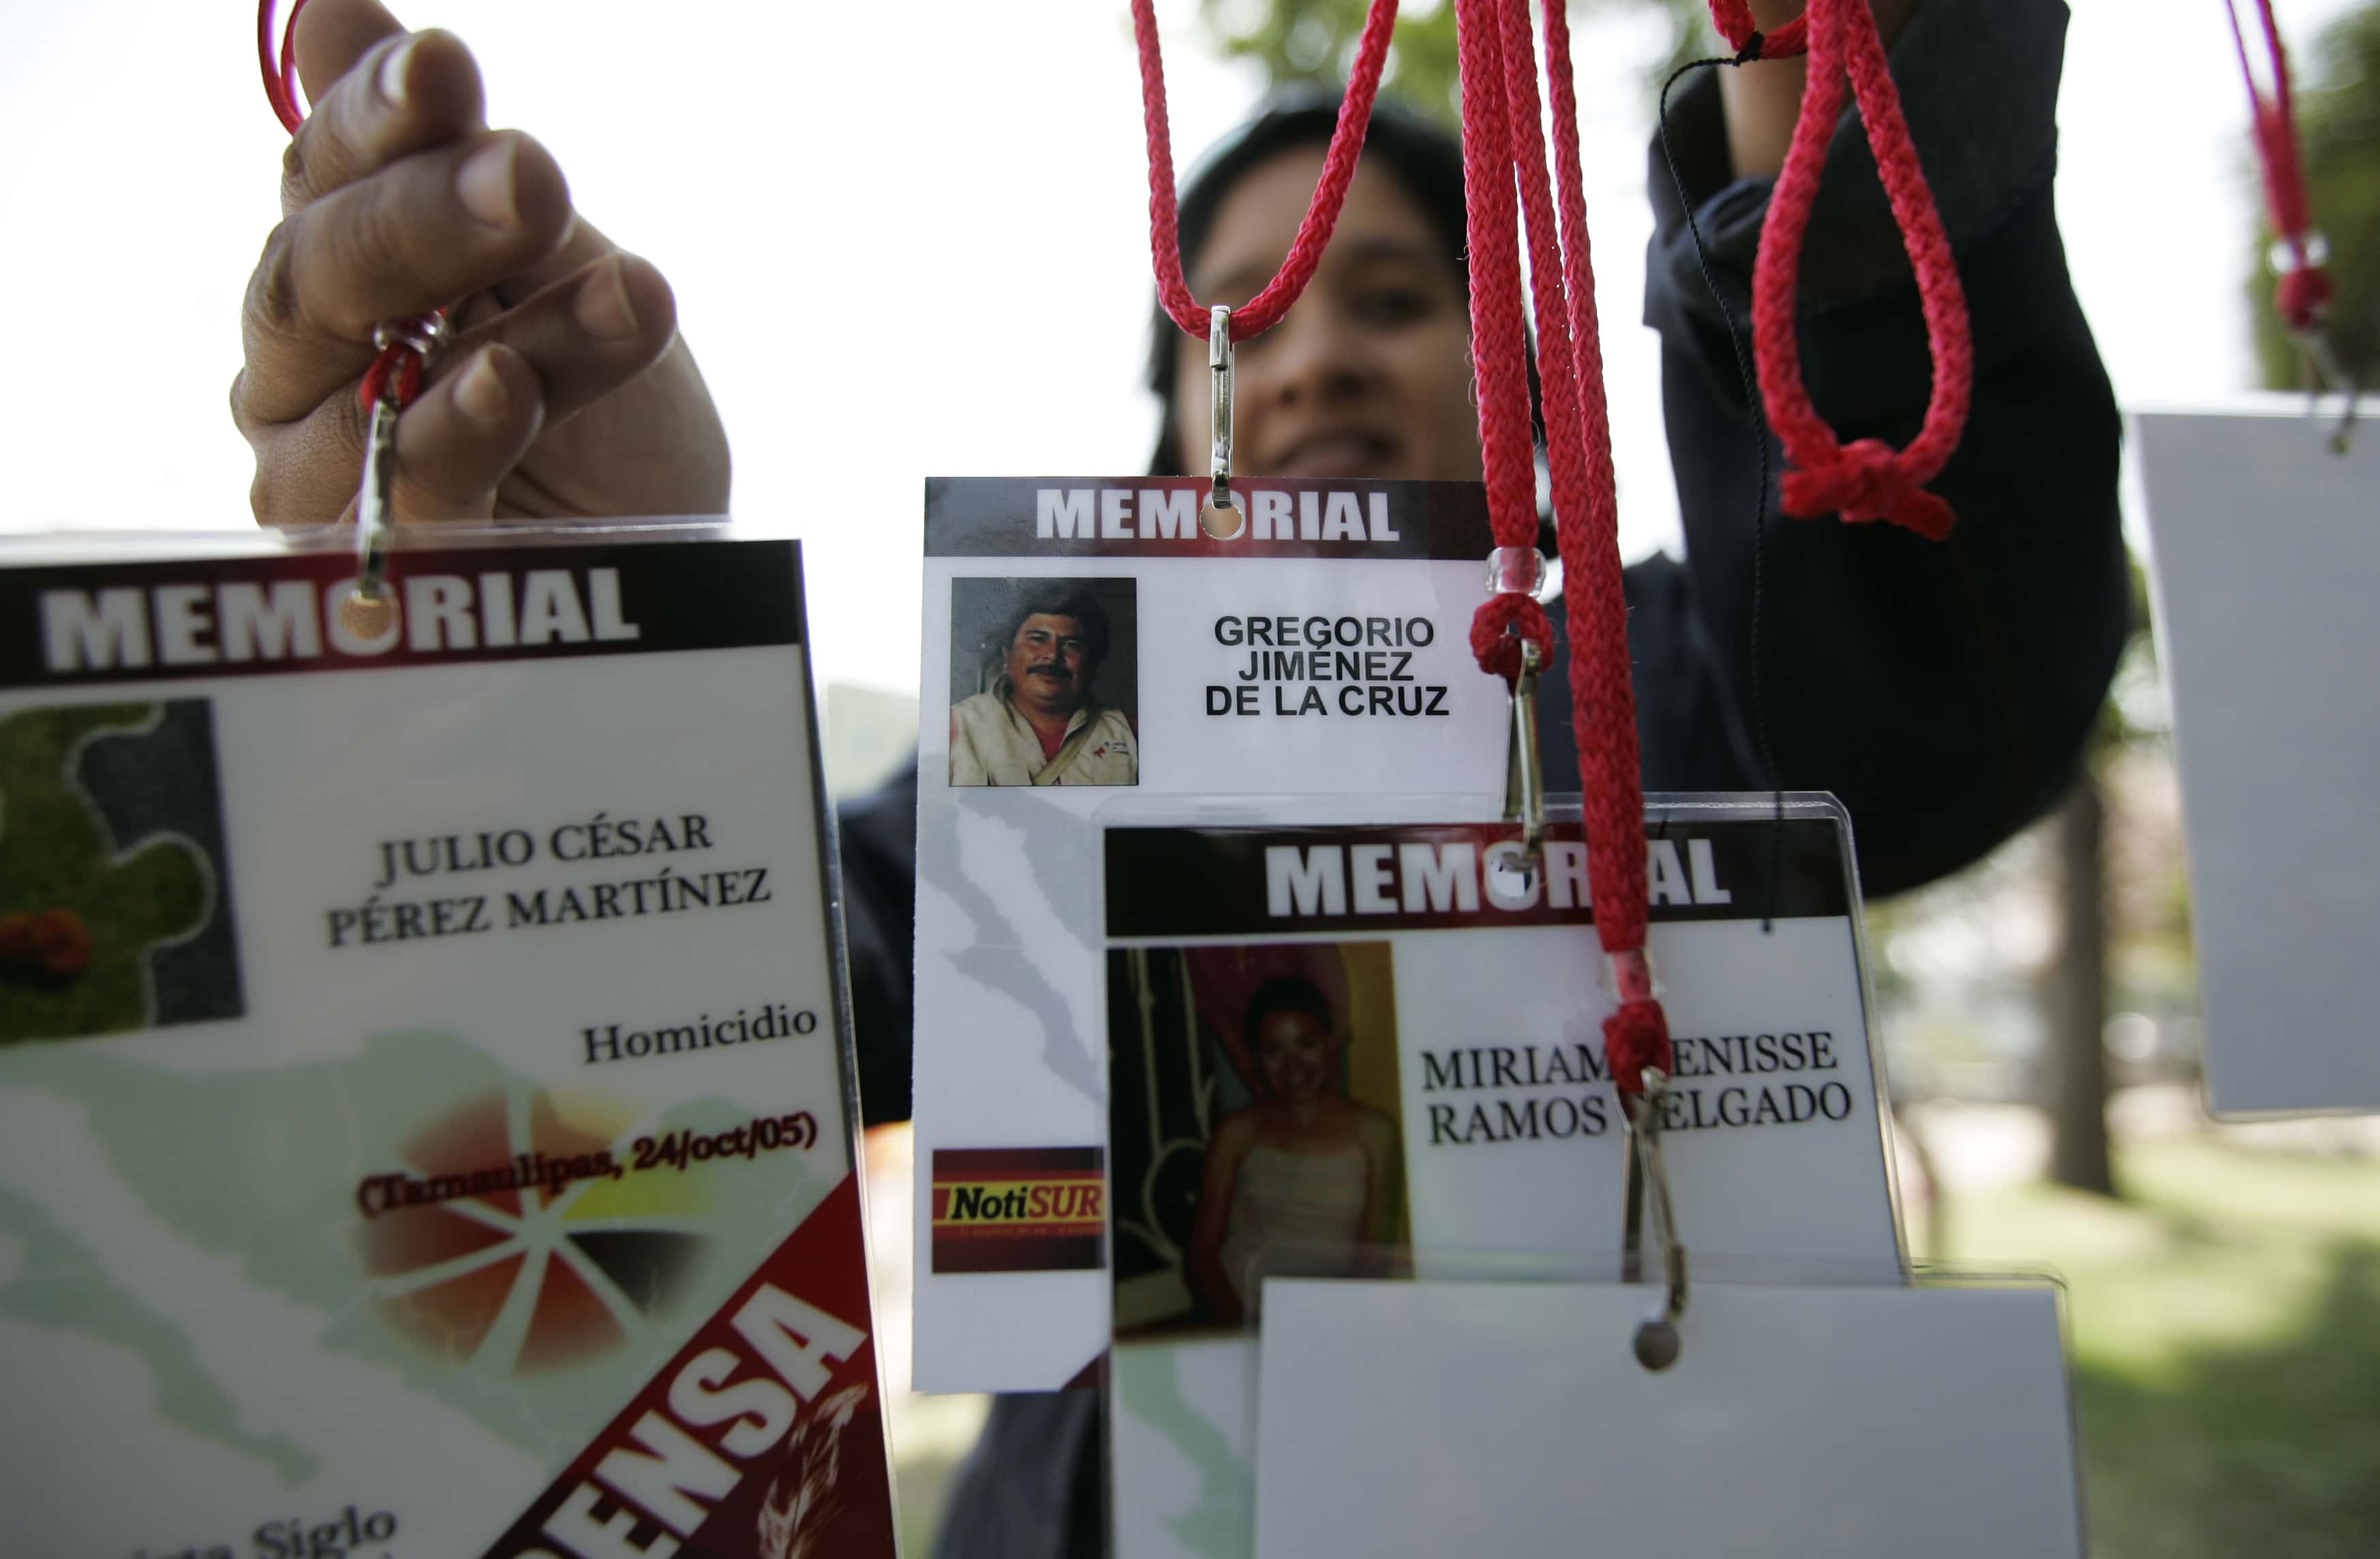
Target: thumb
333, 35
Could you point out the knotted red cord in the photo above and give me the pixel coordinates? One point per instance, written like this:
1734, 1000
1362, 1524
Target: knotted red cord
2303, 292
1865, 481
397, 371
1263, 311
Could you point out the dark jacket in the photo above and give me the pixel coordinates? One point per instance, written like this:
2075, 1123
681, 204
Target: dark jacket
1943, 691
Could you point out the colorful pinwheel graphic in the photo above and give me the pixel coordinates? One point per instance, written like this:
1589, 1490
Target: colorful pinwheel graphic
516, 1241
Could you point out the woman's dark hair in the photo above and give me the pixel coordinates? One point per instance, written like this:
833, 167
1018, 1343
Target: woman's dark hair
1425, 160
1287, 993
1055, 598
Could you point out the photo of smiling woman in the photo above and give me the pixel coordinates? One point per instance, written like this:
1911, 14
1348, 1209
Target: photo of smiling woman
1043, 679
1253, 1105
1304, 1172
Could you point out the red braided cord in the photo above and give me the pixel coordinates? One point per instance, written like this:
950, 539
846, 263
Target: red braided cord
1263, 311
1636, 1035
1502, 137
289, 84
1867, 480
2304, 293
1588, 532
397, 371
1499, 339
1578, 454
1735, 24
281, 72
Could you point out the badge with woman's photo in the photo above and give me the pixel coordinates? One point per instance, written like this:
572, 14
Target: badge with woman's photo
1376, 1050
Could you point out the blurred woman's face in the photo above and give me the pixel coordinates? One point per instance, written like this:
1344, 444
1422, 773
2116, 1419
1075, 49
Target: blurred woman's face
1294, 1054
1370, 374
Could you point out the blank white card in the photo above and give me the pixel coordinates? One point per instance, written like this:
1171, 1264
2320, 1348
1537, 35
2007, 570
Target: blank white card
1434, 1419
2267, 564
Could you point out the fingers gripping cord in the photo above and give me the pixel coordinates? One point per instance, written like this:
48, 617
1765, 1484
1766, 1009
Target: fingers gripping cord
397, 371
1735, 25
1867, 480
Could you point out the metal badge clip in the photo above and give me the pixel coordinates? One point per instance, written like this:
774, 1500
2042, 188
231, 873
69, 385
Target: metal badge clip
1657, 1340
1219, 361
2330, 375
1524, 774
369, 609
375, 523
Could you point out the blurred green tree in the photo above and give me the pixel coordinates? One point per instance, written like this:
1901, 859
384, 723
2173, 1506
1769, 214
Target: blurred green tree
2338, 125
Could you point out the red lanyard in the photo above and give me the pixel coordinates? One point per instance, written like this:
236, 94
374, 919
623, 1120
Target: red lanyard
1865, 481
1263, 311
1502, 137
280, 69
2304, 293
2301, 289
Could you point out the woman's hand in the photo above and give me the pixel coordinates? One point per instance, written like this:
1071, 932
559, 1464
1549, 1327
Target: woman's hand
1764, 98
564, 392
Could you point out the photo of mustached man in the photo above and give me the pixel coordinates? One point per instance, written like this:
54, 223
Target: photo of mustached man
1043, 682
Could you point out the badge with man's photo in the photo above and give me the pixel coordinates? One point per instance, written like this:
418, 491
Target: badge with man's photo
1086, 639
1044, 681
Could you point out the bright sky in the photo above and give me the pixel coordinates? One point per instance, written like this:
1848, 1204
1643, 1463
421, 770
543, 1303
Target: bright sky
905, 241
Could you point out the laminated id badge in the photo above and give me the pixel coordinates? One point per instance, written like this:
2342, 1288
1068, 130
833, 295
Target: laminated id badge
1351, 1048
1095, 641
1857, 1421
425, 1097
2265, 557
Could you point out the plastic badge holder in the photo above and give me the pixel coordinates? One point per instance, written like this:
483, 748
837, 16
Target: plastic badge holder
1498, 1404
427, 1085
1373, 1043
1322, 648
